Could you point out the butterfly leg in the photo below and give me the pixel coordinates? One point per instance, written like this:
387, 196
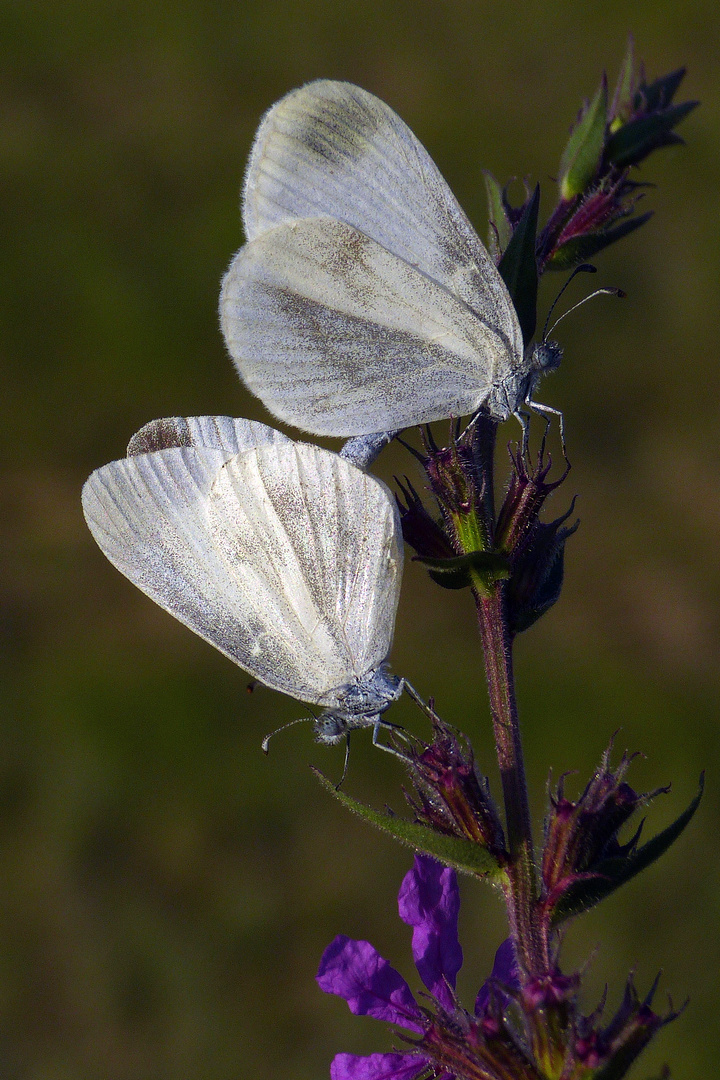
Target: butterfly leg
427, 707
547, 412
423, 705
389, 727
523, 418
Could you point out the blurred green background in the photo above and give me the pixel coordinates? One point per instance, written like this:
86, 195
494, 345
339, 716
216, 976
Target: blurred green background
166, 890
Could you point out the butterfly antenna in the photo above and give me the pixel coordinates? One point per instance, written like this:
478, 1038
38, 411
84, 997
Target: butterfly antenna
583, 268
607, 290
427, 707
300, 720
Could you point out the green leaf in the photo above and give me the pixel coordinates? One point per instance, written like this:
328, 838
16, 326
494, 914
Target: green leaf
500, 229
614, 872
581, 156
660, 93
522, 618
635, 140
518, 267
621, 1063
461, 854
621, 98
580, 249
456, 573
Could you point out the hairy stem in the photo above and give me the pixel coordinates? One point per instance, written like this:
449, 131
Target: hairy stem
521, 893
522, 890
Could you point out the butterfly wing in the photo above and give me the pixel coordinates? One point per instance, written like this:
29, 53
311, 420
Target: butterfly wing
212, 432
225, 544
339, 336
332, 149
326, 536
148, 514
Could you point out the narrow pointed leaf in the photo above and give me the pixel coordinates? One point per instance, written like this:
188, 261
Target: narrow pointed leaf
456, 573
461, 854
660, 93
620, 1065
518, 267
581, 156
581, 249
500, 229
614, 872
622, 97
546, 596
634, 141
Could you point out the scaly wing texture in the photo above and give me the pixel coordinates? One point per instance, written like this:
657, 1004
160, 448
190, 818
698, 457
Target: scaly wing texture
211, 432
339, 336
331, 148
306, 525
207, 536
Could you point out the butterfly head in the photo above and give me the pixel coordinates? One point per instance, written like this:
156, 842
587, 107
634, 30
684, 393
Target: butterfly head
332, 726
545, 356
360, 704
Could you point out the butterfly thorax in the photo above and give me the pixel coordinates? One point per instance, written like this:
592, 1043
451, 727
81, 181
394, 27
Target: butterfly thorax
361, 703
511, 392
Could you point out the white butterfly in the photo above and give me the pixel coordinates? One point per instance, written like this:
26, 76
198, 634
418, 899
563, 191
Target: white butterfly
364, 300
282, 555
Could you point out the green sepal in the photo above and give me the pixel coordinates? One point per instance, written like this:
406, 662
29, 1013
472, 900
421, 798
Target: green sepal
660, 93
633, 141
623, 91
581, 157
518, 267
620, 1065
457, 572
580, 249
545, 597
500, 229
463, 855
614, 872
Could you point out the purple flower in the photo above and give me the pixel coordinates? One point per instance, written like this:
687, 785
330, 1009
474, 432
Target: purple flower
429, 902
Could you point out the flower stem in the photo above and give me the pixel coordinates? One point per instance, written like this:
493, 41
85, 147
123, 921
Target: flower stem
521, 893
522, 889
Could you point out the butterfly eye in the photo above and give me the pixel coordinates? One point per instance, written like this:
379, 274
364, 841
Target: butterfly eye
546, 356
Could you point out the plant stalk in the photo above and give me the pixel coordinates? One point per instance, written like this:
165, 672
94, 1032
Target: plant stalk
522, 889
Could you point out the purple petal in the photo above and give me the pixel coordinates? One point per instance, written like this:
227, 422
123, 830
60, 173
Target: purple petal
354, 970
429, 901
377, 1067
504, 971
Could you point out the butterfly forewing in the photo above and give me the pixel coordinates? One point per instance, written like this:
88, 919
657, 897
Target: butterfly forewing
286, 557
325, 537
339, 336
331, 148
212, 432
148, 515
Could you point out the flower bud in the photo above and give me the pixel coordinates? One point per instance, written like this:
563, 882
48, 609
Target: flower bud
582, 155
535, 548
615, 1048
642, 116
580, 835
450, 795
420, 530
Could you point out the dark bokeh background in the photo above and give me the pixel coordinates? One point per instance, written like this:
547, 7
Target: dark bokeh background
166, 890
